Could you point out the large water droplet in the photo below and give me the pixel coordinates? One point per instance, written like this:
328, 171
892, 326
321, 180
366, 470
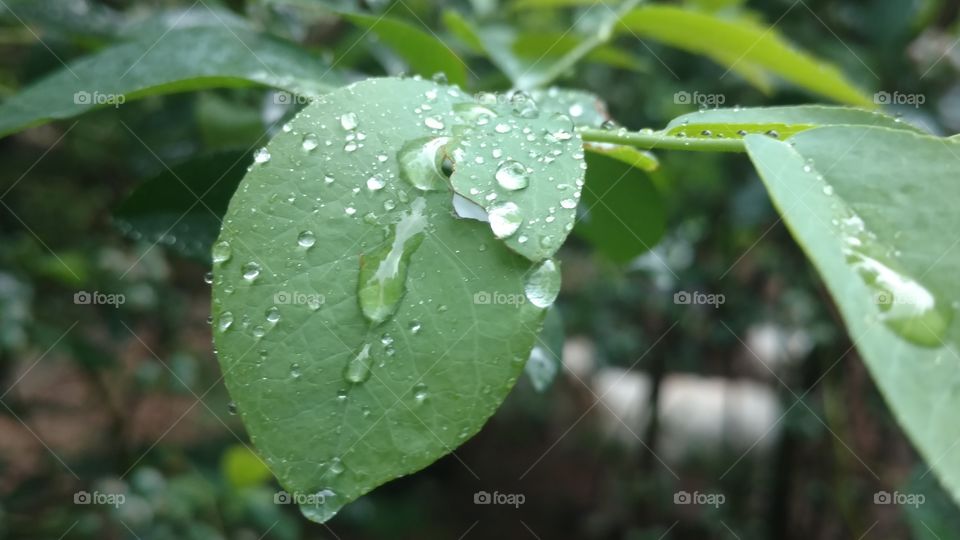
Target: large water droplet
505, 219
512, 175
357, 369
250, 271
225, 321
321, 506
421, 163
543, 284
383, 273
261, 156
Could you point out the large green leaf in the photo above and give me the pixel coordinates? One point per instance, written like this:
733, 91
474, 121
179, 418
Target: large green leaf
742, 45
337, 227
874, 209
423, 50
784, 122
181, 60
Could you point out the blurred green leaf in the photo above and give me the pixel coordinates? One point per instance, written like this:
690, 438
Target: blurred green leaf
182, 207
738, 43
426, 53
874, 209
547, 47
243, 468
182, 60
622, 213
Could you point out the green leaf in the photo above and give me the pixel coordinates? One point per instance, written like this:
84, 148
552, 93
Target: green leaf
548, 46
622, 211
182, 60
182, 207
783, 121
741, 43
426, 53
336, 401
874, 209
525, 169
243, 468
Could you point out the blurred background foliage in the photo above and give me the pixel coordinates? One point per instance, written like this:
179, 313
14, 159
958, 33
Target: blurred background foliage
761, 399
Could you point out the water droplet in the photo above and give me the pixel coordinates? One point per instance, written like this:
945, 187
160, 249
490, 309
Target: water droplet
222, 252
383, 273
568, 203
306, 239
336, 467
543, 284
225, 321
357, 369
321, 506
502, 128
561, 127
250, 271
433, 122
273, 315
261, 156
208, 278
259, 331
415, 327
828, 190
349, 121
421, 163
295, 371
420, 393
505, 219
310, 142
232, 407
512, 175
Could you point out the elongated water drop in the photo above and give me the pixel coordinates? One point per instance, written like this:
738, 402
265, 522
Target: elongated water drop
421, 163
222, 252
357, 369
543, 284
383, 273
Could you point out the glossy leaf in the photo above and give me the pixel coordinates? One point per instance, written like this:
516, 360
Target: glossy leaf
337, 398
741, 44
182, 60
874, 209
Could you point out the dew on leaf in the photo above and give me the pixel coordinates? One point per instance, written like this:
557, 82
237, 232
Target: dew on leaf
222, 252
357, 369
421, 163
261, 156
512, 175
251, 271
349, 121
306, 239
505, 219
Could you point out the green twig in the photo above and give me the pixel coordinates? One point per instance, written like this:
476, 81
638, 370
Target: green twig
657, 140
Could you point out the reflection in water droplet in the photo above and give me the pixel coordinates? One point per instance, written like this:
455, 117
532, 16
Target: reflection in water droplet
357, 369
512, 175
261, 156
310, 142
505, 219
225, 321
543, 284
383, 273
421, 163
319, 507
273, 315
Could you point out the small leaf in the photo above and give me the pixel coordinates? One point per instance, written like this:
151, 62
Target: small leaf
738, 43
874, 209
184, 60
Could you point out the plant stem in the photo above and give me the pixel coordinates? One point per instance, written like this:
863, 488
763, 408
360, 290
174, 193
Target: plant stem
658, 140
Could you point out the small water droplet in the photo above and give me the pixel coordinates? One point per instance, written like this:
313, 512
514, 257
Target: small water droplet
225, 321
375, 183
232, 407
306, 239
349, 121
261, 156
273, 315
357, 369
222, 252
310, 142
250, 271
543, 284
415, 327
433, 122
420, 393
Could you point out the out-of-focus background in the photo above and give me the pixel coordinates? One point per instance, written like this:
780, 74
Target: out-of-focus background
749, 415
